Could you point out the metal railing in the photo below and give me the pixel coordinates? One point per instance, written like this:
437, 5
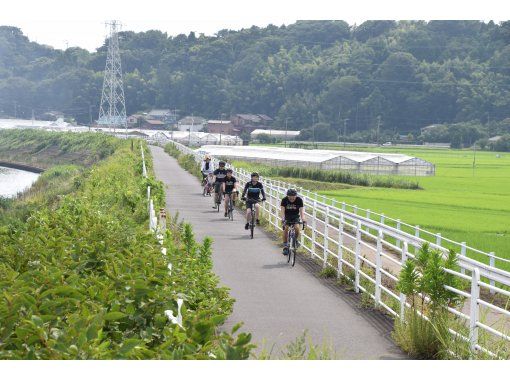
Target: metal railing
374, 252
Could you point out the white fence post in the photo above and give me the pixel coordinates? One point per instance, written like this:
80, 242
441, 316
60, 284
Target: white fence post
398, 228
340, 264
326, 240
463, 253
492, 264
474, 312
378, 261
402, 295
417, 234
314, 226
355, 209
368, 217
438, 239
148, 195
356, 258
343, 206
382, 222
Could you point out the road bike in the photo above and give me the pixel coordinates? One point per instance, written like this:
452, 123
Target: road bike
206, 186
217, 199
230, 206
252, 203
292, 241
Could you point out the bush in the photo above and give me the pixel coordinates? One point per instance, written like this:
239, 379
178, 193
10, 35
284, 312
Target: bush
424, 277
83, 278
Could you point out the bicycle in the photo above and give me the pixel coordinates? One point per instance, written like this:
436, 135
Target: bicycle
217, 199
292, 241
252, 202
230, 206
206, 187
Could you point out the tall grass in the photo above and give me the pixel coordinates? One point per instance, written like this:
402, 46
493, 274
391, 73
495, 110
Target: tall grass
333, 176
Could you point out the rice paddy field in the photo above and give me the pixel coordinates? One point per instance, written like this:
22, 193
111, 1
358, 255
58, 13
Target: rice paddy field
461, 203
464, 202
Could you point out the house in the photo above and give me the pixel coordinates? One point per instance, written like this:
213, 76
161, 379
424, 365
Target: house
221, 126
494, 139
193, 123
164, 115
135, 120
242, 119
153, 124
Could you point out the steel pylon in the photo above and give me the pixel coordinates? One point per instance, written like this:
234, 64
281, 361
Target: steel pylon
112, 112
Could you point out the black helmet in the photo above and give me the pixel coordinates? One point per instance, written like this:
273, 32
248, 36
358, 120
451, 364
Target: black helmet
291, 192
254, 174
230, 171
221, 163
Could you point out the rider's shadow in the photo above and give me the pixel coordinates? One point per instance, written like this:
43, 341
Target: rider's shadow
276, 266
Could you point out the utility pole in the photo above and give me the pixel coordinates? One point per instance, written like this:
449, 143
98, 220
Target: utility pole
345, 129
378, 128
90, 116
33, 117
286, 131
357, 109
112, 112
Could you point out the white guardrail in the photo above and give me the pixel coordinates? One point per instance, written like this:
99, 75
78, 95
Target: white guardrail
346, 241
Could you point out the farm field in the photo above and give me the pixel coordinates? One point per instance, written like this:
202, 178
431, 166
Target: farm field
461, 204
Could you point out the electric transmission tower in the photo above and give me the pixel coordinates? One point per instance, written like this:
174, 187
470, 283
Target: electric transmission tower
112, 112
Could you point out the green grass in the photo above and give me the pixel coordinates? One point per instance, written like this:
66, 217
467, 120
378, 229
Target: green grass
461, 204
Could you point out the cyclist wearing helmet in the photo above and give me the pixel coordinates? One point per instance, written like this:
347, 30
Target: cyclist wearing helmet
251, 194
229, 188
219, 176
292, 212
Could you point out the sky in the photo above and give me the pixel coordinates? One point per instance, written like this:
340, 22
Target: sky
82, 22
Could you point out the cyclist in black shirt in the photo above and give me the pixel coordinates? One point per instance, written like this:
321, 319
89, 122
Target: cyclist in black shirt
292, 212
219, 176
229, 188
251, 194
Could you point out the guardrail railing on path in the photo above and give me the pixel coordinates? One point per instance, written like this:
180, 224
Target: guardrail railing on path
374, 253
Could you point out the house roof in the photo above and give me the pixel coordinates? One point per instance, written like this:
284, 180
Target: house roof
219, 122
192, 120
160, 112
155, 122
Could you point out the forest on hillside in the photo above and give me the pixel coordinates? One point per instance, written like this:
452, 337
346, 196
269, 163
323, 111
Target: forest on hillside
401, 75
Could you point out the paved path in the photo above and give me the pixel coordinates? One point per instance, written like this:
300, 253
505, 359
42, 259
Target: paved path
275, 302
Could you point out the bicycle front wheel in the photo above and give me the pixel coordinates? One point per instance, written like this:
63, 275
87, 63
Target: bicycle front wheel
292, 253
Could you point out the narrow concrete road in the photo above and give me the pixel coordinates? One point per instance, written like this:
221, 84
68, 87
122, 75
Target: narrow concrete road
275, 302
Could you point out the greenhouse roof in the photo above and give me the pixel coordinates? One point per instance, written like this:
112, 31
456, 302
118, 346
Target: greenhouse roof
294, 154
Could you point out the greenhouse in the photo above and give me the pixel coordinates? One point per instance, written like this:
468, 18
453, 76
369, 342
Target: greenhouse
196, 138
360, 162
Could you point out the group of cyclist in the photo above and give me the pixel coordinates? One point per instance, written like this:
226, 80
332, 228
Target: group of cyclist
226, 185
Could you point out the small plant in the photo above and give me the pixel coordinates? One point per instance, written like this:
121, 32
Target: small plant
424, 331
328, 272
